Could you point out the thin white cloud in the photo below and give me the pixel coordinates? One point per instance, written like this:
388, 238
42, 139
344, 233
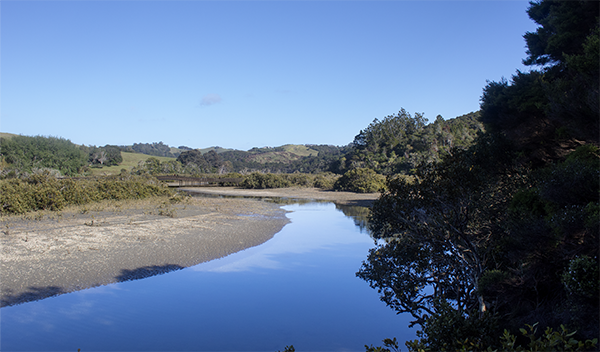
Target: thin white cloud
210, 99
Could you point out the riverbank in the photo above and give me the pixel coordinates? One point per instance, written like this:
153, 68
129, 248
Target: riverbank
343, 198
43, 254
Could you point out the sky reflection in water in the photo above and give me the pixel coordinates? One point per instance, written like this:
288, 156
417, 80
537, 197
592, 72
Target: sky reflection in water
298, 288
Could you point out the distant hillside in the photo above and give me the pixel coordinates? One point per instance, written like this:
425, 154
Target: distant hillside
286, 158
130, 161
396, 144
217, 150
285, 154
7, 135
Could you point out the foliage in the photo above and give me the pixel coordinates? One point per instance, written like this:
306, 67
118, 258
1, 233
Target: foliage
546, 113
284, 159
210, 162
475, 332
361, 180
325, 180
564, 27
581, 277
108, 155
155, 149
46, 192
506, 231
400, 142
390, 345
549, 341
438, 232
24, 154
530, 340
476, 234
257, 180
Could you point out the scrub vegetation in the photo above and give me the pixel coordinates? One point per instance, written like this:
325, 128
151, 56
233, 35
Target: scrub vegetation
43, 191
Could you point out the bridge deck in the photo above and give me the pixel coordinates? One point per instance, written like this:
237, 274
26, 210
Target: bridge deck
186, 181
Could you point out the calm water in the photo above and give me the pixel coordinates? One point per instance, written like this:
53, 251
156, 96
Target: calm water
297, 289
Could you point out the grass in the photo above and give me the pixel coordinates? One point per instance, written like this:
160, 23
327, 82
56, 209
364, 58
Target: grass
7, 135
300, 150
130, 160
289, 153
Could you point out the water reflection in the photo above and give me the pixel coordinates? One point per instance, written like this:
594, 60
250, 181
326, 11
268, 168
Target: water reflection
273, 254
298, 288
359, 213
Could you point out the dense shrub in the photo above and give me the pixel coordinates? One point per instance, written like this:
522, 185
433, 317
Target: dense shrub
45, 192
325, 180
257, 180
361, 180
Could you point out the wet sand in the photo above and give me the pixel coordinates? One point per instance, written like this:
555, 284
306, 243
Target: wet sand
47, 253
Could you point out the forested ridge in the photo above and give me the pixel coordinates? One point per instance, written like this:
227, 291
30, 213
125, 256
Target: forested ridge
395, 144
400, 142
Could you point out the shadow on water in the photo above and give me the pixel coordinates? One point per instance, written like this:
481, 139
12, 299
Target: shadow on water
33, 294
146, 271
38, 293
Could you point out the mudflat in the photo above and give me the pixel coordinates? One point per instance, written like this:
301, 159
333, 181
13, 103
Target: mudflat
345, 198
44, 254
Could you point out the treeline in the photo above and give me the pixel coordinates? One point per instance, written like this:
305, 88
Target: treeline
22, 154
394, 145
505, 233
154, 149
267, 160
399, 143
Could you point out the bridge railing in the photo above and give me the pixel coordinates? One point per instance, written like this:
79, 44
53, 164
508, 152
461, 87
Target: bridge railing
187, 181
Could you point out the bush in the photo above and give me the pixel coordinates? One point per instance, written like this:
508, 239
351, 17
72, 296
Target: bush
325, 180
361, 180
45, 192
257, 180
581, 277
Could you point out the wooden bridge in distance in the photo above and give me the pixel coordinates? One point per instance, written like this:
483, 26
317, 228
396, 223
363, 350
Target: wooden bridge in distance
186, 181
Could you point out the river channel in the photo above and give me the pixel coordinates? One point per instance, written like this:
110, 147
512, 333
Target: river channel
299, 288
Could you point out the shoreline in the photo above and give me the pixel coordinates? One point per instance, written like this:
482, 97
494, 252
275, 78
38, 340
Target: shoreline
293, 193
51, 253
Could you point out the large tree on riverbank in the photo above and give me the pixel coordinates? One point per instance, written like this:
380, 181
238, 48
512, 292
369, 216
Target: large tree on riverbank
504, 233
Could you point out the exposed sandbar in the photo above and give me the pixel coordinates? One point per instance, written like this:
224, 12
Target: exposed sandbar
73, 251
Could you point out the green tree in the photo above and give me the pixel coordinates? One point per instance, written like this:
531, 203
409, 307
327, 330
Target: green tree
500, 234
360, 180
28, 153
438, 231
563, 29
105, 156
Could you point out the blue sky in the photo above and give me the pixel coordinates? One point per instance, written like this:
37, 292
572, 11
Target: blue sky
243, 74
